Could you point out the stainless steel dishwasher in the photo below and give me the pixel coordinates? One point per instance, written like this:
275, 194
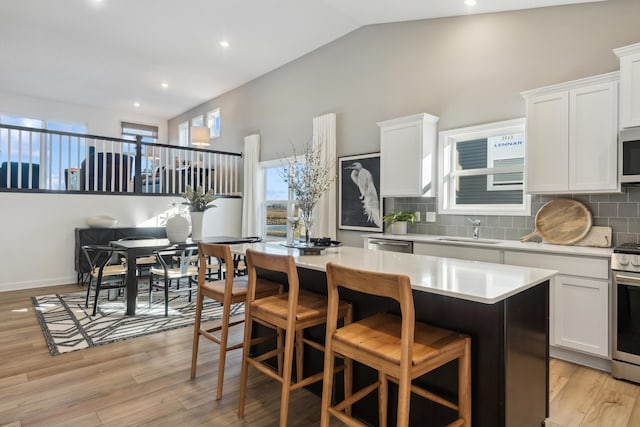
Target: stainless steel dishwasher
405, 246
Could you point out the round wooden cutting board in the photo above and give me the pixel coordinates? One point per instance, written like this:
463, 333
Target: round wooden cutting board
562, 222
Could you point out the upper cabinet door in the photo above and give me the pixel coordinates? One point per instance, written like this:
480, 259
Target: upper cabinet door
593, 129
547, 149
407, 156
629, 85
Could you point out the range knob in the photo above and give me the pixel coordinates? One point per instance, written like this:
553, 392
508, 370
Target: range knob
635, 261
623, 260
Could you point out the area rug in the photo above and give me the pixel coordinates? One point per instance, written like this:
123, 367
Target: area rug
68, 326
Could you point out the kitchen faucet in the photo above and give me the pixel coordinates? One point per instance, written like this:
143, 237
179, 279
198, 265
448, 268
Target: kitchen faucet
476, 227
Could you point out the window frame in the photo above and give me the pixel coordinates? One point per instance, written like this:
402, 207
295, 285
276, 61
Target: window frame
447, 173
290, 202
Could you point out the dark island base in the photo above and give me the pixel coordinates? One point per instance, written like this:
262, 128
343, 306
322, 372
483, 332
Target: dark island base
510, 357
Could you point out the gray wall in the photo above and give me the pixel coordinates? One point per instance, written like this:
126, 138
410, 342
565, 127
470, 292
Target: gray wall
466, 70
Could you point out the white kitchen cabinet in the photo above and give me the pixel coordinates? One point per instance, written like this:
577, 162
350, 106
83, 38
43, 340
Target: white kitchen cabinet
407, 156
571, 137
579, 300
629, 85
458, 252
581, 314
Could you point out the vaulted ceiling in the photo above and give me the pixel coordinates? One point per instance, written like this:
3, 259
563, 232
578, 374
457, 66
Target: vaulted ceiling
114, 53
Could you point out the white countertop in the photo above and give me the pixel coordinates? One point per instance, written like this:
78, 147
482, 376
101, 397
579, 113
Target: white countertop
499, 244
470, 280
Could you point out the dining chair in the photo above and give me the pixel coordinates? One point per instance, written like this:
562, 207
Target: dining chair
145, 262
162, 274
106, 270
397, 346
289, 314
228, 291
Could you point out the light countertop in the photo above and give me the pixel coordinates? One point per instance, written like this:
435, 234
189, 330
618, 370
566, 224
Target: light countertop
482, 282
498, 244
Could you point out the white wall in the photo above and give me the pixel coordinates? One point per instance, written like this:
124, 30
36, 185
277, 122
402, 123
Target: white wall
99, 121
37, 231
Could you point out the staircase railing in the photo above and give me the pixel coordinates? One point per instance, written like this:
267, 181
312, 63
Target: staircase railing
40, 160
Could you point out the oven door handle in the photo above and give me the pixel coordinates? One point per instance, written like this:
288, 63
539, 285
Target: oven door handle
627, 280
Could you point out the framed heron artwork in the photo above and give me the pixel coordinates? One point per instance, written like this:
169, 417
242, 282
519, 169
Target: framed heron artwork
359, 202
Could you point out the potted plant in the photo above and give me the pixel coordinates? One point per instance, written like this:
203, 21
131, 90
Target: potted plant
397, 221
198, 201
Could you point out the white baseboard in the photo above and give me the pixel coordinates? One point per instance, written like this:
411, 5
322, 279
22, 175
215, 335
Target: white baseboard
30, 284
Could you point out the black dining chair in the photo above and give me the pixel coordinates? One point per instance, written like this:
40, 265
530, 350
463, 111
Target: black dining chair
145, 262
164, 273
107, 271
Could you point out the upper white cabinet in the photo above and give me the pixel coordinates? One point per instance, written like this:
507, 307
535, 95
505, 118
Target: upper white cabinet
571, 136
408, 155
629, 85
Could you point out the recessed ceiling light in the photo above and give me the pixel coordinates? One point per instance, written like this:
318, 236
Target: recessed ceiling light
224, 43
470, 2
136, 104
164, 85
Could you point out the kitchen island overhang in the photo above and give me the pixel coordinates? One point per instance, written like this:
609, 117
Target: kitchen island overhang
505, 310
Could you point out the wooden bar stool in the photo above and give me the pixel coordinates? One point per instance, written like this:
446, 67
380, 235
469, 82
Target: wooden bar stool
398, 347
291, 313
231, 290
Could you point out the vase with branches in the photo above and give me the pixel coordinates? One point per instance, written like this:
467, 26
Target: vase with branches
308, 177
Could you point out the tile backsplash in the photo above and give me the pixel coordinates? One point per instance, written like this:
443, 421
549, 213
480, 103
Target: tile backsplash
620, 211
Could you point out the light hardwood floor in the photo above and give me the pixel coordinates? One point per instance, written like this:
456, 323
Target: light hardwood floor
145, 381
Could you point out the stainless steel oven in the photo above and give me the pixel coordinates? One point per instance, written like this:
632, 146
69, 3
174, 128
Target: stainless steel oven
625, 266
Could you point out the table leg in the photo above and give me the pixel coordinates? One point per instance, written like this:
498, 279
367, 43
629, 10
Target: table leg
131, 290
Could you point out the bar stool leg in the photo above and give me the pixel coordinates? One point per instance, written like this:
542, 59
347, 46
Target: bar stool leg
327, 384
383, 393
464, 384
289, 343
224, 336
404, 398
280, 347
348, 366
299, 354
246, 348
196, 334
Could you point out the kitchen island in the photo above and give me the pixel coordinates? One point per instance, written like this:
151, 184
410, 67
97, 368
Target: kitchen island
503, 308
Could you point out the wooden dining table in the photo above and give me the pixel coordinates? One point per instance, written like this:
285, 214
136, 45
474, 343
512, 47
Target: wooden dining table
135, 248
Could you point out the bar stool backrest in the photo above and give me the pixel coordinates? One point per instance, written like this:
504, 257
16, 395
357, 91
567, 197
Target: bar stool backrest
276, 263
394, 286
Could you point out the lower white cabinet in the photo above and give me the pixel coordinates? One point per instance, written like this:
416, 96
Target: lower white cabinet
579, 300
580, 318
457, 252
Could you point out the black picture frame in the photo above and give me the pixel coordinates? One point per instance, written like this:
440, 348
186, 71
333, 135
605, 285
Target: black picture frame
354, 207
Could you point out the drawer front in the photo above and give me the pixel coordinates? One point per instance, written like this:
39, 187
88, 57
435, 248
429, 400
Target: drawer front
597, 268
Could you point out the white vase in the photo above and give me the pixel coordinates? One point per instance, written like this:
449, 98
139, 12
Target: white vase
399, 227
196, 225
177, 229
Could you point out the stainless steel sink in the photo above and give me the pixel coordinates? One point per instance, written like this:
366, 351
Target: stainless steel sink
468, 240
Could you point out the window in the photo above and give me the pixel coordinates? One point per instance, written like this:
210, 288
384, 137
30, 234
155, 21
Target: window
197, 121
278, 201
149, 134
481, 170
183, 134
53, 155
213, 123
131, 131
